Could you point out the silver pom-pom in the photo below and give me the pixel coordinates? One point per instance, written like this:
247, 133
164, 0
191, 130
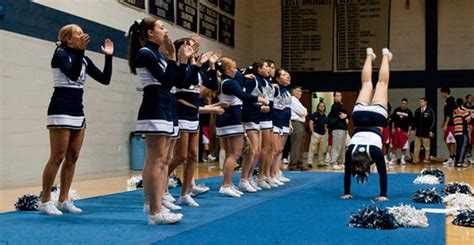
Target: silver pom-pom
458, 187
427, 196
134, 182
458, 201
27, 203
408, 216
464, 218
174, 181
433, 171
373, 217
426, 179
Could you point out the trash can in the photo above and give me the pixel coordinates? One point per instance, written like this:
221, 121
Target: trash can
137, 151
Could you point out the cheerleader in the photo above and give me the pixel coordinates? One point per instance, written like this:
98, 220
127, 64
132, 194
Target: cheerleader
66, 119
229, 125
370, 117
158, 75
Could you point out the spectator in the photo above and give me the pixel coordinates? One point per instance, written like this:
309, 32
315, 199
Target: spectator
337, 123
448, 124
402, 119
461, 119
318, 128
298, 117
423, 127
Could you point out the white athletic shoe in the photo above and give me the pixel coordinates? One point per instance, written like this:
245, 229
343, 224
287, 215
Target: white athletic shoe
164, 218
336, 167
245, 186
284, 161
168, 197
282, 178
402, 160
370, 52
68, 206
228, 191
211, 158
263, 184
385, 51
49, 208
254, 184
448, 162
236, 190
270, 182
277, 181
199, 190
171, 206
188, 200
471, 160
328, 157
146, 208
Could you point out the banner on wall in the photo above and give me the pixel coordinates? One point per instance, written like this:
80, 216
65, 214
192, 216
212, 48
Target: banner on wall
162, 8
208, 20
227, 6
307, 35
226, 30
213, 2
186, 14
139, 4
360, 24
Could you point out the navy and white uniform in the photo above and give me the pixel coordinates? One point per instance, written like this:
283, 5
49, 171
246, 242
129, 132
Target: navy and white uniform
251, 111
367, 139
230, 122
70, 67
268, 91
157, 76
174, 114
188, 117
281, 112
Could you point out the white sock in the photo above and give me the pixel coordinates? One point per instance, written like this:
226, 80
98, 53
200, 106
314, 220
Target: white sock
370, 51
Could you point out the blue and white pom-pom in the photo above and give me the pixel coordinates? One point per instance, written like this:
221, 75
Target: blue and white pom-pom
373, 217
427, 180
427, 196
134, 182
174, 181
457, 187
464, 218
408, 216
459, 201
433, 171
27, 203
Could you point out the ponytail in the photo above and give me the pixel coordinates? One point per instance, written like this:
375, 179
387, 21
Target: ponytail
138, 33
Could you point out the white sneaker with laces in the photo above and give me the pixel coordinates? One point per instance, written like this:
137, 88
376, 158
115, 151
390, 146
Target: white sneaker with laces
254, 184
228, 191
211, 158
282, 178
245, 186
49, 208
188, 200
236, 190
270, 182
448, 162
277, 181
171, 206
263, 184
336, 167
164, 218
199, 190
68, 206
146, 208
168, 197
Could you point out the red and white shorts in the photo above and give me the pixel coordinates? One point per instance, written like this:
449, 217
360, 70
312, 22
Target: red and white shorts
386, 135
400, 139
449, 135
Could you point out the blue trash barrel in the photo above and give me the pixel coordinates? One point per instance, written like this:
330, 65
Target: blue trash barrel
137, 151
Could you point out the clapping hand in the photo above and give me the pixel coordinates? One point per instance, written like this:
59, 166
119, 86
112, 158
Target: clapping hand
108, 47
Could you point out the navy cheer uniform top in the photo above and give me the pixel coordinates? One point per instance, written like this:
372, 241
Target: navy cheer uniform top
281, 112
268, 91
251, 111
70, 67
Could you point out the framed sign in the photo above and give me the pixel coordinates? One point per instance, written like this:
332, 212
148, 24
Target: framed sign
139, 4
208, 20
162, 8
226, 30
186, 14
227, 6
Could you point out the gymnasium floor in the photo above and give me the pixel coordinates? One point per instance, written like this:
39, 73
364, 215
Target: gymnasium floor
101, 184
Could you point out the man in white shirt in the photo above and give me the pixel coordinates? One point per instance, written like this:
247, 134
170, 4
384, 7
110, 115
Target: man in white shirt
298, 117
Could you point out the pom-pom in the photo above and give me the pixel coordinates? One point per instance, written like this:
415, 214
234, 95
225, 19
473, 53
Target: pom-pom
457, 187
427, 196
426, 179
459, 201
373, 217
408, 216
464, 218
27, 203
174, 181
134, 182
434, 171
55, 190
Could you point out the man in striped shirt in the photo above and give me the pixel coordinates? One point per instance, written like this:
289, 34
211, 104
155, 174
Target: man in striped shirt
461, 117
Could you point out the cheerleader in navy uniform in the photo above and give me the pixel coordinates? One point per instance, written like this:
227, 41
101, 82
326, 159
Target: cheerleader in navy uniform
229, 125
158, 75
251, 114
66, 119
370, 117
281, 116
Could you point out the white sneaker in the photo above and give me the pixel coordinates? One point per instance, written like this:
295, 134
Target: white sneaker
245, 186
146, 208
188, 200
164, 218
385, 51
386, 158
336, 167
211, 158
471, 161
49, 208
328, 157
282, 178
254, 184
68, 206
171, 206
448, 162
277, 181
199, 190
270, 182
168, 197
263, 184
284, 161
228, 191
370, 52
236, 190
